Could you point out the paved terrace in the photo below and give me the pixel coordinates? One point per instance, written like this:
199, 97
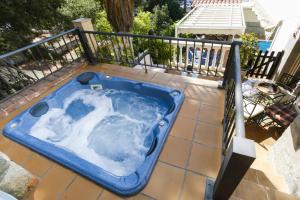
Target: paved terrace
191, 154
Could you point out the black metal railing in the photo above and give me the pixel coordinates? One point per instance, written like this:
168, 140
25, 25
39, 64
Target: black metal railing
233, 110
198, 56
27, 65
264, 64
238, 151
32, 63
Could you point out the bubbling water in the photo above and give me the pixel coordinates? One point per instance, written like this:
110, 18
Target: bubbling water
107, 128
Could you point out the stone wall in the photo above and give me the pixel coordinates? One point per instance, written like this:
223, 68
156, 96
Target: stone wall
285, 155
14, 179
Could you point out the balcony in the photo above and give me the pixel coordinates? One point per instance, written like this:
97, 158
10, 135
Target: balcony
207, 154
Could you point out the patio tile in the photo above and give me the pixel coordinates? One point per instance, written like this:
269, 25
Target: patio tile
176, 151
210, 114
183, 127
53, 184
276, 195
272, 180
162, 76
234, 198
38, 165
194, 187
146, 76
165, 182
106, 195
247, 190
82, 188
213, 98
177, 85
190, 108
208, 134
197, 91
5, 144
205, 160
251, 175
18, 153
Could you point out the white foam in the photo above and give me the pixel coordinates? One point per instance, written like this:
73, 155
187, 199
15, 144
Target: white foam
111, 136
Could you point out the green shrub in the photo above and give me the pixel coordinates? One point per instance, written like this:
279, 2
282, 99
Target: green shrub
160, 51
248, 48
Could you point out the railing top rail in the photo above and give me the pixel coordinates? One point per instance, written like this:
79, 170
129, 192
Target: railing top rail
160, 37
3, 56
239, 116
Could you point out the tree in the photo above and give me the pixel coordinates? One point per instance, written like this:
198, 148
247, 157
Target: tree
162, 21
22, 20
174, 9
74, 9
142, 23
101, 22
120, 14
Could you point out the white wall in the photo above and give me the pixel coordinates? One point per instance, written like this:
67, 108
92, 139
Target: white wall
285, 39
279, 10
285, 35
270, 13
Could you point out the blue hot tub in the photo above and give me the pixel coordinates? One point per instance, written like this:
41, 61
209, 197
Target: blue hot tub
108, 129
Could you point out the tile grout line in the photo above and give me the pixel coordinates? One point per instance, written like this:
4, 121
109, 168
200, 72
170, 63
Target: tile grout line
100, 194
189, 170
152, 198
60, 195
189, 157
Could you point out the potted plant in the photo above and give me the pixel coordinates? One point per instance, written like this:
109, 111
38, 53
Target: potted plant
248, 50
161, 52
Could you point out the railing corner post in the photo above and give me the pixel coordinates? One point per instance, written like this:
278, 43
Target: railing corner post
87, 50
81, 25
238, 159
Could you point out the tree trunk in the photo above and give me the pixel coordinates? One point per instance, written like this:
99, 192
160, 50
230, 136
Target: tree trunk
120, 14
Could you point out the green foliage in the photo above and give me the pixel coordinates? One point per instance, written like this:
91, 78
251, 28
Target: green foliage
186, 35
22, 20
142, 23
161, 20
161, 52
173, 6
248, 49
105, 55
175, 11
74, 9
102, 23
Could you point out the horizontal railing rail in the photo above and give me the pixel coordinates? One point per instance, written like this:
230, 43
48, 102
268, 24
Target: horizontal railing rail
159, 37
198, 56
29, 64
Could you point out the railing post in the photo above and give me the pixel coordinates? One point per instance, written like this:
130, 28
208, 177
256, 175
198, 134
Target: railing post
84, 24
228, 66
237, 161
87, 50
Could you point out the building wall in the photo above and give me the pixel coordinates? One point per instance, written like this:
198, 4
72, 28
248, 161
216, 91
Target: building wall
287, 39
285, 155
277, 10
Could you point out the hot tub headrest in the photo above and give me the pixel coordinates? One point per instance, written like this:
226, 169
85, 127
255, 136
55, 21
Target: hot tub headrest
39, 109
85, 77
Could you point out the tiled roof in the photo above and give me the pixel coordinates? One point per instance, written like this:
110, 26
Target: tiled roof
198, 2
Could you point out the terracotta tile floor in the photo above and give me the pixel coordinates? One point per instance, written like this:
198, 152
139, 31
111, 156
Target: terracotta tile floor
261, 180
191, 154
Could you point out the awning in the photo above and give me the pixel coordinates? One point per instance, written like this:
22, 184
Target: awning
213, 19
198, 2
